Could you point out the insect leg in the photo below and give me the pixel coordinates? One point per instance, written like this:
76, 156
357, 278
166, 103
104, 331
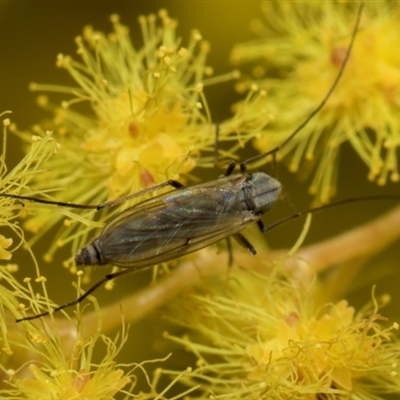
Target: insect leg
230, 253
52, 202
261, 226
107, 278
245, 243
243, 165
174, 184
231, 168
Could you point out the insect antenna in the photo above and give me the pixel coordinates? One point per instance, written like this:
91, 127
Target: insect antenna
243, 165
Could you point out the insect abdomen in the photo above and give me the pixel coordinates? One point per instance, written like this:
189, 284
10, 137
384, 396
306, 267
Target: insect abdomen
89, 255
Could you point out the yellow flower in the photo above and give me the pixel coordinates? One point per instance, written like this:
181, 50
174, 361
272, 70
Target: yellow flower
306, 43
5, 243
56, 358
264, 339
47, 360
330, 348
147, 121
52, 360
19, 177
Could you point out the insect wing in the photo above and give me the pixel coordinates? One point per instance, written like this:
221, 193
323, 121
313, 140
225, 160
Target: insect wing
175, 224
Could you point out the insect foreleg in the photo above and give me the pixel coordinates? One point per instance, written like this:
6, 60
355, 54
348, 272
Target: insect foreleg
245, 243
231, 168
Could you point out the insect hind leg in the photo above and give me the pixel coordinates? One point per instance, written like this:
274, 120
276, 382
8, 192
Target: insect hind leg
82, 297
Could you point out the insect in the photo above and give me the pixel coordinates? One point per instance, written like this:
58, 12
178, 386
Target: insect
186, 219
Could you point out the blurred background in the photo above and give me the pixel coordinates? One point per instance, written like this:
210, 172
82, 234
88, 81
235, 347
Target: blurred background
32, 33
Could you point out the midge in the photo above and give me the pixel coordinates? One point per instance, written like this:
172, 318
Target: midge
186, 219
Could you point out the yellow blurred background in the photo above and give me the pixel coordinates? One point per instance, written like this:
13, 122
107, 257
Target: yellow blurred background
32, 33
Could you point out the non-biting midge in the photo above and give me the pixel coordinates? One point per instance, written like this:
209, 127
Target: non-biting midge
186, 219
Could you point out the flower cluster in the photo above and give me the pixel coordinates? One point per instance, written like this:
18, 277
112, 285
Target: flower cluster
34, 359
304, 44
19, 179
264, 339
148, 120
139, 116
52, 360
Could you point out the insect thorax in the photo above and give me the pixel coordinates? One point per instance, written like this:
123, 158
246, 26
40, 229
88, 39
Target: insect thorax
260, 193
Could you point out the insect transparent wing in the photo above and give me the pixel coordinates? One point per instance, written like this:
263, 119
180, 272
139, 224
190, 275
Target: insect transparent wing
173, 225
